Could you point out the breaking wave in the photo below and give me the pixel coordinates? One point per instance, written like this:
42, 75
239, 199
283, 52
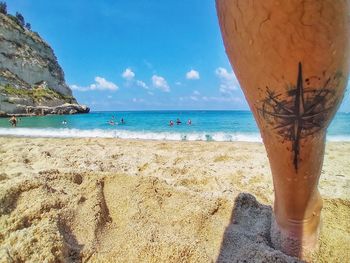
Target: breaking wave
145, 135
124, 134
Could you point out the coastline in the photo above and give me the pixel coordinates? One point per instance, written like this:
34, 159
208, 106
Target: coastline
149, 200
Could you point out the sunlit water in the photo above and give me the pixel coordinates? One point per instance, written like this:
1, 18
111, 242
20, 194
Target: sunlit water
206, 126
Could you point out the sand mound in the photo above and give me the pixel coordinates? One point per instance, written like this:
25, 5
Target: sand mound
247, 237
52, 213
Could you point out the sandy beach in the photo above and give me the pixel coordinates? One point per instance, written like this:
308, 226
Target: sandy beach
110, 200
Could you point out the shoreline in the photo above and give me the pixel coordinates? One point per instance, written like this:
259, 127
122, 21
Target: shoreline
116, 133
123, 134
25, 136
143, 200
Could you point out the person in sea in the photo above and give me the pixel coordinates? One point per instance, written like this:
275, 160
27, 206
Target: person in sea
292, 61
112, 121
189, 122
178, 122
171, 123
13, 121
122, 121
64, 122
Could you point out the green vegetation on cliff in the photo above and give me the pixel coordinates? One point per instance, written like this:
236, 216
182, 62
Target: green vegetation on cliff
18, 18
38, 94
3, 8
39, 87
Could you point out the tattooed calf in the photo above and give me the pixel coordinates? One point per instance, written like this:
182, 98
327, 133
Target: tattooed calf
302, 111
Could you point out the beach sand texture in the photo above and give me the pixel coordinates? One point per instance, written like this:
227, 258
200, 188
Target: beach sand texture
110, 200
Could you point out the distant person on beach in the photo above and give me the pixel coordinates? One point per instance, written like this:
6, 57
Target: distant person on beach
171, 123
292, 60
189, 122
13, 121
178, 122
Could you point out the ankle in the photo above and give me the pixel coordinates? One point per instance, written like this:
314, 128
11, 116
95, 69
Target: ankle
298, 238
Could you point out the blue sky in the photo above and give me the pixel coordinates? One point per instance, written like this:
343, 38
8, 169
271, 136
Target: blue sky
139, 54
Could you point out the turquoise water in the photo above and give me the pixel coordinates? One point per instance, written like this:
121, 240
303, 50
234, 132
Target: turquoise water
206, 126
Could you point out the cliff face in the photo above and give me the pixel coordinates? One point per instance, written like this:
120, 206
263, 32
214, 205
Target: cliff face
31, 80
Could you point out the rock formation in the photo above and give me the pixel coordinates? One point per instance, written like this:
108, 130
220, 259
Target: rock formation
31, 80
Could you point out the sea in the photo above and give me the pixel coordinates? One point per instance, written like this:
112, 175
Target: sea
154, 125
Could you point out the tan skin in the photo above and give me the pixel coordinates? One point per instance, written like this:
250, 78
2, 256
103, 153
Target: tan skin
13, 121
292, 61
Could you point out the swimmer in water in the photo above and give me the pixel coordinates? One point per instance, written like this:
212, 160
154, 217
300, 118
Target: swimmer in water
112, 121
178, 122
13, 121
171, 123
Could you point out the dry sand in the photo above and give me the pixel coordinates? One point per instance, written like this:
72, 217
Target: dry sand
108, 200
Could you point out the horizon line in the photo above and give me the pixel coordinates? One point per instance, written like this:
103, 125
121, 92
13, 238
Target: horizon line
167, 110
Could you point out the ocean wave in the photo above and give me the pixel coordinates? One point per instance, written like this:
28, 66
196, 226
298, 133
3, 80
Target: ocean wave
338, 138
145, 135
124, 134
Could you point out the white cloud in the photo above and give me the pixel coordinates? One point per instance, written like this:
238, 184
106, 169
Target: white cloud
136, 100
78, 88
178, 83
196, 96
228, 81
141, 84
100, 84
103, 84
223, 99
192, 74
128, 74
160, 83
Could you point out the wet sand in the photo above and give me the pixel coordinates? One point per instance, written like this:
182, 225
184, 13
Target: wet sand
110, 200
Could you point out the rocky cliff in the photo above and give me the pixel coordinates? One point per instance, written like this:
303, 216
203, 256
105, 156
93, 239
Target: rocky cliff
31, 80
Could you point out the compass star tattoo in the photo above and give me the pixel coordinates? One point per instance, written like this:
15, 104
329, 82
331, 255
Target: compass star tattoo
302, 111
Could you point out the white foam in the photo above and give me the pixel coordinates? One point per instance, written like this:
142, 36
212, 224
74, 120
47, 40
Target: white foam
338, 138
124, 134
